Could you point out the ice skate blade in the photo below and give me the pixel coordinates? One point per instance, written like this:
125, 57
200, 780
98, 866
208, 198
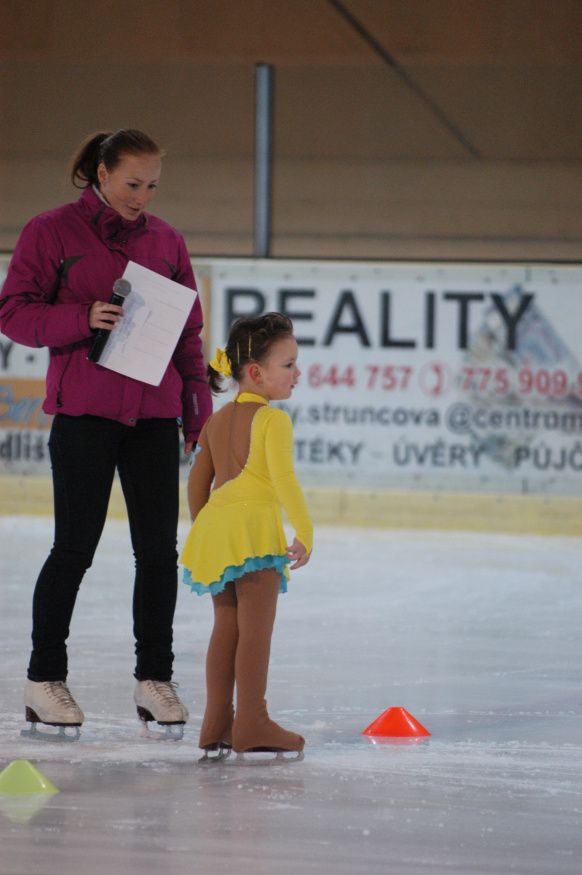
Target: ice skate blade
172, 732
280, 756
217, 753
59, 736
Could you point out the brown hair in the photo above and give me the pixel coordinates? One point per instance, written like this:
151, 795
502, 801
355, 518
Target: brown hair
250, 340
108, 147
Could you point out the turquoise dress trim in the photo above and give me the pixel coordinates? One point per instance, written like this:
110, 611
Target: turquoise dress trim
234, 572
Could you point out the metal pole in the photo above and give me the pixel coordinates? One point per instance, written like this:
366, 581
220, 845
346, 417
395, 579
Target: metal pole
264, 80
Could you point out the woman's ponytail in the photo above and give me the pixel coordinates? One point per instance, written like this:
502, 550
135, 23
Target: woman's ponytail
86, 160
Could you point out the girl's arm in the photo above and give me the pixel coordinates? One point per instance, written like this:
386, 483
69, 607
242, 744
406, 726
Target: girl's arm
201, 476
279, 454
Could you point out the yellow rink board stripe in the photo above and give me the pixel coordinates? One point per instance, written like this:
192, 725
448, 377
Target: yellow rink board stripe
451, 511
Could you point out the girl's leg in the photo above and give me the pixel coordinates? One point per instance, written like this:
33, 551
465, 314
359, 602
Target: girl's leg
257, 603
217, 723
149, 472
83, 450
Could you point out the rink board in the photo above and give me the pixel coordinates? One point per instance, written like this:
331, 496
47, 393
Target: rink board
544, 515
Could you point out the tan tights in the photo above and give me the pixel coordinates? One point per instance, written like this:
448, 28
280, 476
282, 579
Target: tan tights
238, 653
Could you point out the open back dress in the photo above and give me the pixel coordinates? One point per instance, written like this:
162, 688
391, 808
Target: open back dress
242, 475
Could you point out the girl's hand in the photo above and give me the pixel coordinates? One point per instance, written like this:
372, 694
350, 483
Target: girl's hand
188, 447
298, 554
104, 315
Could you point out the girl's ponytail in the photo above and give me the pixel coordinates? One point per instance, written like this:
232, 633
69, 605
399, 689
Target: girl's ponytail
214, 380
219, 367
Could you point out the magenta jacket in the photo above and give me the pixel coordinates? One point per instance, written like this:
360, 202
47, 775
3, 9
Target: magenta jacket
70, 257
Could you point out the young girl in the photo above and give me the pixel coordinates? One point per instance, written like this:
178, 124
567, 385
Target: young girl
236, 549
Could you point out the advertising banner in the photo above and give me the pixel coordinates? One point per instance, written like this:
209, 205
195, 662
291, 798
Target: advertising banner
428, 376
433, 376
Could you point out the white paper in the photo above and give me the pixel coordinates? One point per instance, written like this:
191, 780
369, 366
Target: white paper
155, 312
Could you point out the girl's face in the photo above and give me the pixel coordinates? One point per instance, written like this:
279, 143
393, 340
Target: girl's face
277, 375
130, 186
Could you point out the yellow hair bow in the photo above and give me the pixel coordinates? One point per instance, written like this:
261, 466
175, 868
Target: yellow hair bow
221, 363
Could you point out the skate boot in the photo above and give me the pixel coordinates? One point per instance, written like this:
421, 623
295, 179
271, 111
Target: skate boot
257, 733
51, 703
216, 733
158, 700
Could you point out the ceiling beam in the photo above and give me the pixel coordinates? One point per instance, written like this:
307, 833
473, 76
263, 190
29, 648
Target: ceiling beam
405, 77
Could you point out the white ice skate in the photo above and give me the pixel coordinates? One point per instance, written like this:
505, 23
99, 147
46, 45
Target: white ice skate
51, 703
158, 700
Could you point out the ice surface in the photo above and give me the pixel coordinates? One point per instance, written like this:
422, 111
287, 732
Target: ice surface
478, 636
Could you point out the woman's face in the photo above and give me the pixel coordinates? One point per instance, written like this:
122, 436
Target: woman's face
130, 186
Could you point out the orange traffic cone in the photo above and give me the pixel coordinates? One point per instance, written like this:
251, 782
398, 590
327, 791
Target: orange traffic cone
396, 723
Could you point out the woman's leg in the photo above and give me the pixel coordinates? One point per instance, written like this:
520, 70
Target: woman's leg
83, 452
217, 723
149, 472
257, 604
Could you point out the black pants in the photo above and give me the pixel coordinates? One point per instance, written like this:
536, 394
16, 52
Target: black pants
85, 451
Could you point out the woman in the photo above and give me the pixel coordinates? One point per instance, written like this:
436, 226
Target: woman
56, 294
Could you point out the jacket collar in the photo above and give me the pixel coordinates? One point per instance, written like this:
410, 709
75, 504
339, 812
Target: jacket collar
109, 224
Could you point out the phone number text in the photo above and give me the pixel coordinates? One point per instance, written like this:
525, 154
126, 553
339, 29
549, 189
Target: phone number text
437, 378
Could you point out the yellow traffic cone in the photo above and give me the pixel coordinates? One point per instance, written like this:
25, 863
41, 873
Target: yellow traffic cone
21, 778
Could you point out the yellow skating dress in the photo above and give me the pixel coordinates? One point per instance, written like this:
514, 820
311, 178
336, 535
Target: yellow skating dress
245, 450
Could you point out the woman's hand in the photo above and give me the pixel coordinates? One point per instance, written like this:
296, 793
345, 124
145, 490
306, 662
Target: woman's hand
104, 314
298, 554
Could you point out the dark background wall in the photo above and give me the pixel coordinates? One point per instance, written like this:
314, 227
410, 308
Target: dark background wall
404, 128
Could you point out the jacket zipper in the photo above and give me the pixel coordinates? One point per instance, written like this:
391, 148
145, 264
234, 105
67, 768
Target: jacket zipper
60, 386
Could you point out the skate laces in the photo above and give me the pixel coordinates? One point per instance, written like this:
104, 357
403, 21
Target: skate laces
166, 690
59, 691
